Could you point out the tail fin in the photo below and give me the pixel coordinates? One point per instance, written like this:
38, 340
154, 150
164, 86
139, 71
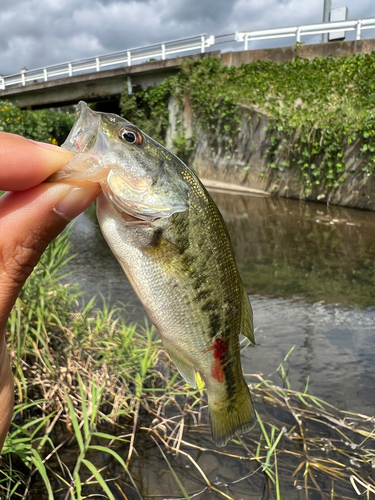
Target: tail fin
229, 418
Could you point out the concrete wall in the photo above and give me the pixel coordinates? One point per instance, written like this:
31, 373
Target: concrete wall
283, 54
248, 167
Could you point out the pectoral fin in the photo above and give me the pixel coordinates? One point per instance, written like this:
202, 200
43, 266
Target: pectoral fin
184, 367
247, 327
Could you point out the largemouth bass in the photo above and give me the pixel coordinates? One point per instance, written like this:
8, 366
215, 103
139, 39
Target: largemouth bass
171, 241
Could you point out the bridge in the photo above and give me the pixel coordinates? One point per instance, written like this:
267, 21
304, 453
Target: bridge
102, 86
105, 77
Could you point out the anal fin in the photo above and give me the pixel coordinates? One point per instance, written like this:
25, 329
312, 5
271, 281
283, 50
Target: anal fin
185, 368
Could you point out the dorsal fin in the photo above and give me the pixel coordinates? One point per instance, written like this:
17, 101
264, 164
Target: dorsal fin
247, 327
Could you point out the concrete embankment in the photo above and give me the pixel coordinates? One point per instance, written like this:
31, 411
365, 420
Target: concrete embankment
248, 167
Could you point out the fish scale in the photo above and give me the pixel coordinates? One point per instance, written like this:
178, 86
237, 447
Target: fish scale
172, 243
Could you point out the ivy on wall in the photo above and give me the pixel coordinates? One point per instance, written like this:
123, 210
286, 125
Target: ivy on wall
148, 109
316, 109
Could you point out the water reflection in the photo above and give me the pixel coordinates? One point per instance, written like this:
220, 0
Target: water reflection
310, 271
288, 248
334, 349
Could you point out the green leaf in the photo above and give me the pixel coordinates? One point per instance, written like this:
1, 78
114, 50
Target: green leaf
289, 353
263, 429
175, 477
109, 436
273, 447
73, 418
94, 471
78, 485
86, 424
120, 461
37, 461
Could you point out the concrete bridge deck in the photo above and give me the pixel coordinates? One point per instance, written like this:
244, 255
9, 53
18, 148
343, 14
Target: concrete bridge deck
109, 84
94, 86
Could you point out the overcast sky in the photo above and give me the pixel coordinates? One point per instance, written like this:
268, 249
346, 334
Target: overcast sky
36, 33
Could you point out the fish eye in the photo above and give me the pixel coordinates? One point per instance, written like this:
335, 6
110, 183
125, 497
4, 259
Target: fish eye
130, 135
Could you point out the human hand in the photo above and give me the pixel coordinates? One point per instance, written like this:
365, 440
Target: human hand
32, 214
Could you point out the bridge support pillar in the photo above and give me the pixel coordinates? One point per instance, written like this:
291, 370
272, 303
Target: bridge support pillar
130, 86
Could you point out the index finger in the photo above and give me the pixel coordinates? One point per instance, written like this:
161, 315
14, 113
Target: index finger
25, 163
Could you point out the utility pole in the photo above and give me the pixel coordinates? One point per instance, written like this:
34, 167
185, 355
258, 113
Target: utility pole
326, 13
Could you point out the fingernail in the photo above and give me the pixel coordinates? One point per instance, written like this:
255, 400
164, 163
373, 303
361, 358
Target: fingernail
76, 201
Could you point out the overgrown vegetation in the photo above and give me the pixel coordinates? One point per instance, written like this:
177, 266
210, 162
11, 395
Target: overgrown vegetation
41, 125
317, 108
148, 109
95, 395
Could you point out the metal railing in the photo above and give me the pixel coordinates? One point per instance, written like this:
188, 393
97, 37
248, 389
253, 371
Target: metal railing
197, 43
162, 50
357, 25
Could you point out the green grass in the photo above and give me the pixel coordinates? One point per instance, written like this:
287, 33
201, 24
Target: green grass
89, 385
69, 361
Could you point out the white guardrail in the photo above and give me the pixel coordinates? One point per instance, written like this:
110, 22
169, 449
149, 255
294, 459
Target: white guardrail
197, 43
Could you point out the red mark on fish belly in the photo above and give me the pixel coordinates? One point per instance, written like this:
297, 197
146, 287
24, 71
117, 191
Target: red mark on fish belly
220, 347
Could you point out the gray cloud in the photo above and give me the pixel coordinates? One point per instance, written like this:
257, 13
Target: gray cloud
36, 33
200, 11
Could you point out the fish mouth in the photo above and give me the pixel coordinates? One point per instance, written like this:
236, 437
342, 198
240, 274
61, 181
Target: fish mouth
130, 218
135, 198
84, 132
130, 211
88, 146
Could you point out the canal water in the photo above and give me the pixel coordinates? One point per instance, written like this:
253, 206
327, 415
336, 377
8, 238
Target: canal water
309, 270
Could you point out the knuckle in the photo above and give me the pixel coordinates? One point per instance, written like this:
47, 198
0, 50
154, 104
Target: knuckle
18, 258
